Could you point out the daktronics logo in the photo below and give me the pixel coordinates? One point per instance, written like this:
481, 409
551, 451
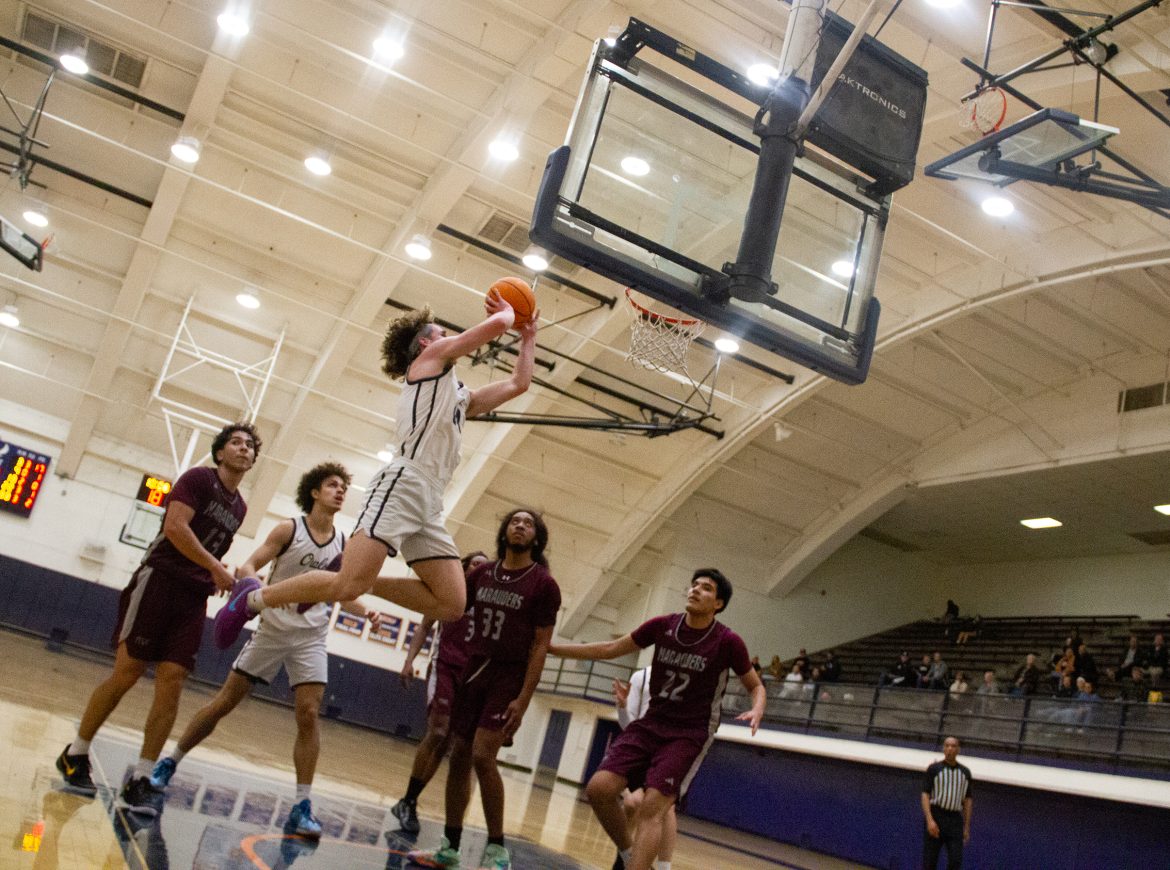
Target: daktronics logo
872, 94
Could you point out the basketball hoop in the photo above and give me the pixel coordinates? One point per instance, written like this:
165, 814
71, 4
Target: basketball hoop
984, 112
660, 342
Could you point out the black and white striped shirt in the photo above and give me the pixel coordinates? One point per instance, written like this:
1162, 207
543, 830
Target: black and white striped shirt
947, 786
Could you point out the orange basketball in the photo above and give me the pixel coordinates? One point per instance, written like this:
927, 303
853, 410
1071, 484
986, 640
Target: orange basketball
517, 293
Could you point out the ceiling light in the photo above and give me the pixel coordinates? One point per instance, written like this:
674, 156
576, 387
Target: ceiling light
1041, 523
943, 4
36, 217
74, 63
1162, 508
610, 41
233, 24
186, 149
388, 49
502, 149
842, 269
726, 345
386, 454
762, 73
419, 248
9, 317
535, 259
318, 165
248, 300
998, 206
635, 166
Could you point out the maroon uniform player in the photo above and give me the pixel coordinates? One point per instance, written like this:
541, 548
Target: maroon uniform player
515, 603
443, 676
692, 655
161, 612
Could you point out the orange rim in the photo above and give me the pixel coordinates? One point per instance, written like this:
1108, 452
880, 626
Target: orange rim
654, 315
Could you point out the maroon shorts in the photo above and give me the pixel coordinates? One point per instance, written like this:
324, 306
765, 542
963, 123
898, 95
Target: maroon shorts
160, 621
657, 756
441, 688
482, 699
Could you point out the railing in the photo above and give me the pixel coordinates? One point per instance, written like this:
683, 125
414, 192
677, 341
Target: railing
582, 679
1114, 733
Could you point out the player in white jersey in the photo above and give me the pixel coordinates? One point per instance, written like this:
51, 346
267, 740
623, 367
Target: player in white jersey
404, 506
292, 637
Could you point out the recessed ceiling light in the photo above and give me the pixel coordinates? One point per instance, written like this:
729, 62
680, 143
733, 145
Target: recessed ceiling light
535, 259
388, 49
502, 149
419, 248
248, 300
36, 217
386, 454
842, 269
998, 206
186, 149
1162, 508
726, 345
318, 165
233, 24
762, 73
635, 166
943, 4
75, 63
1041, 523
9, 317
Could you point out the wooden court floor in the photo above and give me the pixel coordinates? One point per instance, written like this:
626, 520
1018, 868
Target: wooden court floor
41, 694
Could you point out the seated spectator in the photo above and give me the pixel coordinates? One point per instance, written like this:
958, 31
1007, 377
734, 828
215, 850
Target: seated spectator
1134, 686
1066, 689
989, 686
1027, 678
776, 669
793, 683
960, 686
756, 666
971, 628
831, 669
922, 673
901, 674
1130, 657
1086, 664
938, 677
1156, 660
802, 661
815, 676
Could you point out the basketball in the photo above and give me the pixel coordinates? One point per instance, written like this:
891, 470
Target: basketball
517, 293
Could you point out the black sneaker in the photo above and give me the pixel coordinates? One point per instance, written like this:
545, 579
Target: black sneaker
75, 771
139, 796
407, 814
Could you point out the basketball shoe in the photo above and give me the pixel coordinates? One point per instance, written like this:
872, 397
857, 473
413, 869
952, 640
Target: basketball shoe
164, 769
407, 814
229, 622
139, 796
302, 821
444, 856
75, 771
495, 857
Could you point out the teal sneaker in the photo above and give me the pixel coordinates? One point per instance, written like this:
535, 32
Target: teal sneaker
444, 856
495, 857
164, 769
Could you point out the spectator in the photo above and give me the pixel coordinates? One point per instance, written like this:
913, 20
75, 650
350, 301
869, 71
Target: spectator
901, 674
922, 672
1133, 686
1066, 666
831, 669
776, 668
1027, 677
1086, 664
960, 685
952, 612
938, 677
1157, 660
1130, 657
1065, 689
802, 661
756, 666
1086, 691
971, 628
793, 682
989, 686
816, 676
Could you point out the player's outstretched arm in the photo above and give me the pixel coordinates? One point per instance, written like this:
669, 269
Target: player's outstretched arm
279, 538
607, 649
489, 398
755, 687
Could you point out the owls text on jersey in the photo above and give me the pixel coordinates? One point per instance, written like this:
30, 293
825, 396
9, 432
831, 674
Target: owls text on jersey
300, 555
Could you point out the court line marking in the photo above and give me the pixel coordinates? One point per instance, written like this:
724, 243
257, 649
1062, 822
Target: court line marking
247, 844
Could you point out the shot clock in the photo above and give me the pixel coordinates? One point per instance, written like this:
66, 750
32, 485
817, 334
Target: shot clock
22, 475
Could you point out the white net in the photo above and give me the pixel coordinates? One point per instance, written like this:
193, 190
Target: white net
659, 342
984, 112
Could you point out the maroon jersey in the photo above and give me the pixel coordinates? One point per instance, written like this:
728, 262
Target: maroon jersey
454, 638
689, 670
218, 513
508, 607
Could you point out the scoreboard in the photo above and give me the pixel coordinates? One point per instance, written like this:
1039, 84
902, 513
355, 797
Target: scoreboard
22, 475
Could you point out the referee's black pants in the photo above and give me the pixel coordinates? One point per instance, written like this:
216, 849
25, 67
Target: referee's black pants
950, 837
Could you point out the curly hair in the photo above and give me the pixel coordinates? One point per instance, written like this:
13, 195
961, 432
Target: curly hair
314, 477
538, 544
466, 560
225, 435
400, 345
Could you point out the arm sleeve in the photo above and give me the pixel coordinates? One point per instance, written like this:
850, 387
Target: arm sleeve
647, 633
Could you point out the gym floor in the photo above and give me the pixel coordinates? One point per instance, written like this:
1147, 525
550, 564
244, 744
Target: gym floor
227, 803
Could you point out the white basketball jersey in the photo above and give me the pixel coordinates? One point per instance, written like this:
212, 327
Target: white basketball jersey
430, 418
302, 554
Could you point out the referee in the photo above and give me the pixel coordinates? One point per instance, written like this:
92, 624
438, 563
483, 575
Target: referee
946, 807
